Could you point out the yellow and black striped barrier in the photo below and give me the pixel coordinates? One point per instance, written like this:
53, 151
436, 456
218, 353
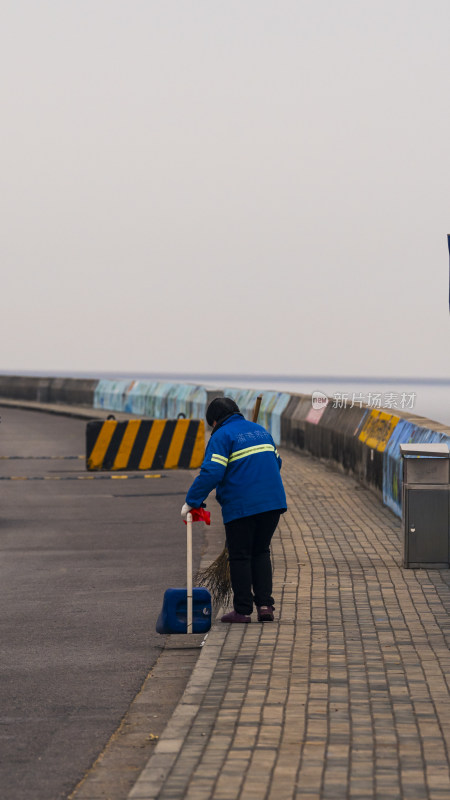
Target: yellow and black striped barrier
145, 444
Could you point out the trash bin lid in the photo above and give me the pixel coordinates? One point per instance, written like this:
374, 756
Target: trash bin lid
435, 450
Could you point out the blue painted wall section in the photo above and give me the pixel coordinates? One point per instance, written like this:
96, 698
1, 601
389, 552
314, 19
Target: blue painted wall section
404, 433
155, 399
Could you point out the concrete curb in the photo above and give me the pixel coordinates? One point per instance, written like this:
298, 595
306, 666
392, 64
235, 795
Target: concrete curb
131, 745
154, 774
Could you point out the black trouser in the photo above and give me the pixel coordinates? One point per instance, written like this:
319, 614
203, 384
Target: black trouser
248, 542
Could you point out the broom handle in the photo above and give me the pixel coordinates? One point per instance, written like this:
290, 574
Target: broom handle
189, 572
256, 408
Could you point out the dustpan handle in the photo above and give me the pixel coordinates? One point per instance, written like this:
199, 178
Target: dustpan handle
189, 572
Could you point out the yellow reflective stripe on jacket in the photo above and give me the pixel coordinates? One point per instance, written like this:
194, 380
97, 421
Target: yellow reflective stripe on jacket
250, 451
219, 459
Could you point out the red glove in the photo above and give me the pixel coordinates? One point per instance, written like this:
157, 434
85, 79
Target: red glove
200, 515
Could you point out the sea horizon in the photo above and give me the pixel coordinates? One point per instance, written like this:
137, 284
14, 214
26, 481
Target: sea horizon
194, 377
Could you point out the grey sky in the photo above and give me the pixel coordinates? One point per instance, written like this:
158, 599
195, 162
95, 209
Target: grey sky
246, 186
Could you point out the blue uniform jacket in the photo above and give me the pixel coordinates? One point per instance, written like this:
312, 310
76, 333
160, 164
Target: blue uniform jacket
242, 463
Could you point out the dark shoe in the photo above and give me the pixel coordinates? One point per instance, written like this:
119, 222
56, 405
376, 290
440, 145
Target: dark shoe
234, 616
265, 613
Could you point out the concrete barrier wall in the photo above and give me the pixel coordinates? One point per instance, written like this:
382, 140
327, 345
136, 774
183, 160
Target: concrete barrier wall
293, 422
154, 399
68, 391
363, 442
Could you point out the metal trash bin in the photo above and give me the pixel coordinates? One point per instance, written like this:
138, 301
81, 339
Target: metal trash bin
426, 506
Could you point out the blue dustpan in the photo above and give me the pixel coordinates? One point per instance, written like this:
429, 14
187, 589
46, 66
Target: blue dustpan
173, 616
186, 610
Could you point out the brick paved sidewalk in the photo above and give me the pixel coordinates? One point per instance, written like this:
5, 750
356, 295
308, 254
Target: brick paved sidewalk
347, 694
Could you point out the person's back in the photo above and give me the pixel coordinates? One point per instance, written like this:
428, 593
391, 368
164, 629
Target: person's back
251, 482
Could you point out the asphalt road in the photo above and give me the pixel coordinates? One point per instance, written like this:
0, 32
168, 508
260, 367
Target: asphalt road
83, 568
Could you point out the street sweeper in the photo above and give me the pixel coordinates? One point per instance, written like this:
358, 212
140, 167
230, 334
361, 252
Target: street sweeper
242, 463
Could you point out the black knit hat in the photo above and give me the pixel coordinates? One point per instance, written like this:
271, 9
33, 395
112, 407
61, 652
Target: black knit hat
220, 408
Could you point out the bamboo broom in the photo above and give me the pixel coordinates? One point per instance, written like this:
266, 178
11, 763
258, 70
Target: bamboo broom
216, 577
